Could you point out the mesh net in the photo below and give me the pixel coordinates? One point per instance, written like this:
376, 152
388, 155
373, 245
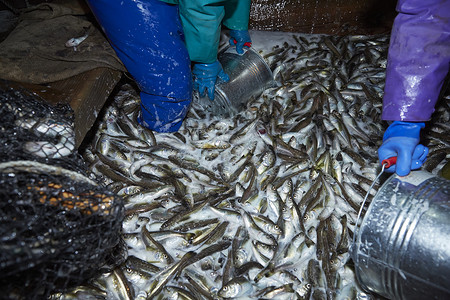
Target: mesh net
58, 227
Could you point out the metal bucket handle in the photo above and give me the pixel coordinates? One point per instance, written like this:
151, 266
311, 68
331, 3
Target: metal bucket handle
357, 224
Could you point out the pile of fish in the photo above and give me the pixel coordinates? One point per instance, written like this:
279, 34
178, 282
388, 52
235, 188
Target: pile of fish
262, 205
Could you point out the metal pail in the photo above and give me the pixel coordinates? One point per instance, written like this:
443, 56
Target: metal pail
402, 248
249, 77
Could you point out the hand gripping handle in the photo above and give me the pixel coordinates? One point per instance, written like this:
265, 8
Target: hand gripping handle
247, 44
389, 161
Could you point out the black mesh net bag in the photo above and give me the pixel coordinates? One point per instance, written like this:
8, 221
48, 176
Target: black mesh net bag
58, 226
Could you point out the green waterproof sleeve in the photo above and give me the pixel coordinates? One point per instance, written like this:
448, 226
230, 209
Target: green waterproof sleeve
237, 14
201, 21
170, 1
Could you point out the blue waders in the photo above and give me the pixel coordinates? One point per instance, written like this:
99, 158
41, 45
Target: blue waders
148, 38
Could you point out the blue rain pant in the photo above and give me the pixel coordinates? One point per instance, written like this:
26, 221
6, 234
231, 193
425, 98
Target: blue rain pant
148, 38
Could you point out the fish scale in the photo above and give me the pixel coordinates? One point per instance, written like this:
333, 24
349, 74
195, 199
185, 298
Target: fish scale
328, 86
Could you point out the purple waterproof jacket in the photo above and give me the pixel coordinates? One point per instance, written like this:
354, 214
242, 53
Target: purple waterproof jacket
418, 59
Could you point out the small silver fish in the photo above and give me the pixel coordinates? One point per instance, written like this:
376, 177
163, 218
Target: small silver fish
75, 41
236, 287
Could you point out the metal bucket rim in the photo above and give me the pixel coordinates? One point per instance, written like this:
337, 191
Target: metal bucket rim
376, 198
222, 94
383, 269
245, 51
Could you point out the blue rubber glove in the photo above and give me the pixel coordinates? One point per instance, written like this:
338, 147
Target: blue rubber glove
205, 77
240, 39
401, 139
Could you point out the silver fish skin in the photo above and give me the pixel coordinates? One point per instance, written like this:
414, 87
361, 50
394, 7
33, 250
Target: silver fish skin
237, 287
282, 180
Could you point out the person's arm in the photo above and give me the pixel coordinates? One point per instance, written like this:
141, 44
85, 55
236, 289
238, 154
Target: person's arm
201, 25
418, 62
237, 15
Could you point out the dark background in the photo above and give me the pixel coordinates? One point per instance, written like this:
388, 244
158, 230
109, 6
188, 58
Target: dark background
337, 17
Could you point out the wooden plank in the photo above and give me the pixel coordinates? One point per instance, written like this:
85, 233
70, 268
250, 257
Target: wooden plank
335, 17
86, 93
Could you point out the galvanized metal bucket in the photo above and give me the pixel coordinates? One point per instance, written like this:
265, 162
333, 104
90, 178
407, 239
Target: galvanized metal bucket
402, 248
249, 77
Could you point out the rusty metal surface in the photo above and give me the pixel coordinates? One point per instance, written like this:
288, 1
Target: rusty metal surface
337, 17
304, 16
